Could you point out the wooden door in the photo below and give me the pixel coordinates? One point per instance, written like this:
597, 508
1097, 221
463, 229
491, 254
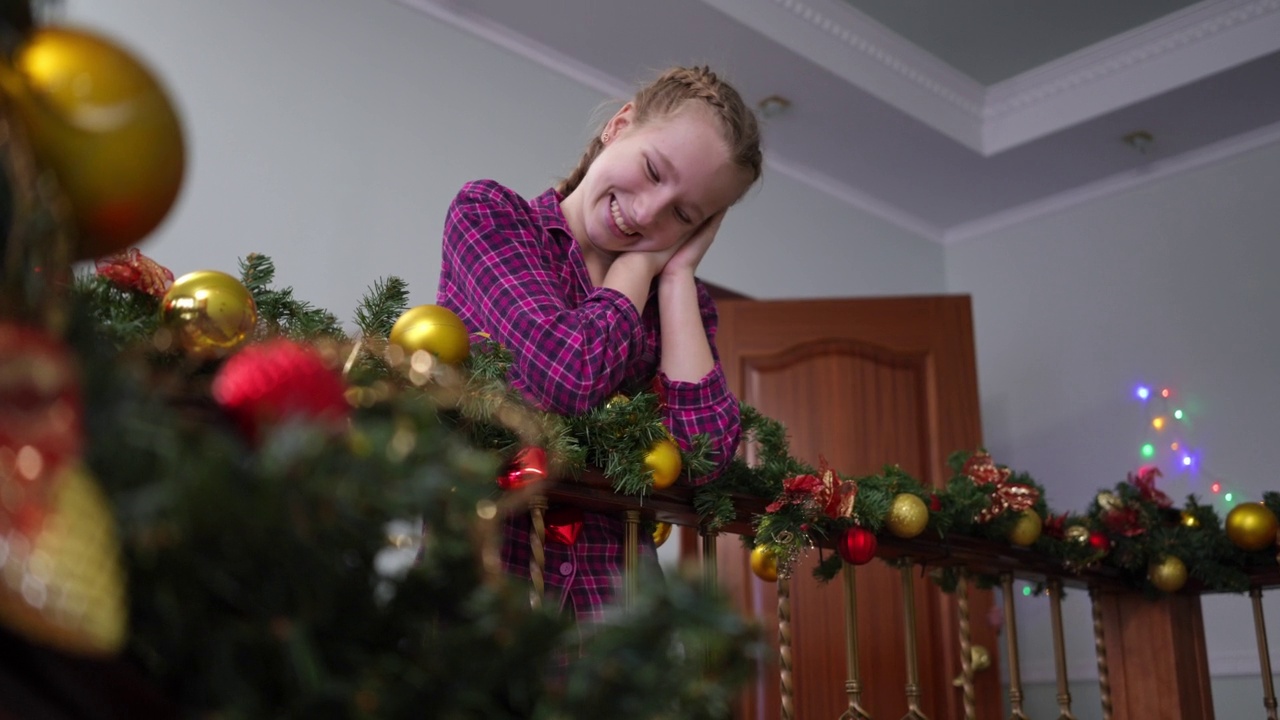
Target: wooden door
862, 383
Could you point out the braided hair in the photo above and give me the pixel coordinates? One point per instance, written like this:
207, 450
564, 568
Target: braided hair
667, 95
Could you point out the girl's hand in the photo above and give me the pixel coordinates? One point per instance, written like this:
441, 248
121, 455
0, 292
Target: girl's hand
689, 253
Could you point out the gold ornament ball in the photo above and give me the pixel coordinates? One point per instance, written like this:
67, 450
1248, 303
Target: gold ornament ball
208, 312
663, 461
1109, 501
1189, 519
764, 563
1077, 534
1251, 526
72, 566
617, 400
661, 531
106, 128
908, 516
1027, 528
433, 328
1168, 574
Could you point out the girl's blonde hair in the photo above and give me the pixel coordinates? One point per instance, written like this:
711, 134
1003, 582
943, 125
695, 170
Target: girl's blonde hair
667, 95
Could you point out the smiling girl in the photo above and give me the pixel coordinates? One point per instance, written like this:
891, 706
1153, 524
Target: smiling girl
591, 287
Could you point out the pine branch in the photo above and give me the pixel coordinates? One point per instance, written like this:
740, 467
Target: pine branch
383, 303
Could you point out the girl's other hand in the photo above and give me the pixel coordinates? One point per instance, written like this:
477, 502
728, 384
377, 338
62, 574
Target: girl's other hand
689, 254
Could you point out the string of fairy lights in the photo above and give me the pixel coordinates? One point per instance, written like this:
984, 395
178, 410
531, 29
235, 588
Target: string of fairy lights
1167, 446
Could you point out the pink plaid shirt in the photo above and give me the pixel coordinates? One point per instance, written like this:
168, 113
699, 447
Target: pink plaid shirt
512, 269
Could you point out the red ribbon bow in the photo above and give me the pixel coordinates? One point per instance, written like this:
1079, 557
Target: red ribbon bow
828, 492
132, 270
1145, 480
1005, 495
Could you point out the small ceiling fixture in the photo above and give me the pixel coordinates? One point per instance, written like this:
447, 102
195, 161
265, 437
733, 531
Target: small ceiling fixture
1139, 140
773, 106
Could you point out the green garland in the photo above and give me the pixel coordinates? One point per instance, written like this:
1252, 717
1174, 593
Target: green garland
617, 436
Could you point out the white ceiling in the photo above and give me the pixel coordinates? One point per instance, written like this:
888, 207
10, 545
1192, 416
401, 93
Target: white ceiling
946, 117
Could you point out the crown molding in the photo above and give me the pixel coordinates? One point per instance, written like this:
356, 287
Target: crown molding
1122, 182
1185, 46
1182, 47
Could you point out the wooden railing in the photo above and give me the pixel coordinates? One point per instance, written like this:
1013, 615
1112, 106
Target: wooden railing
1151, 655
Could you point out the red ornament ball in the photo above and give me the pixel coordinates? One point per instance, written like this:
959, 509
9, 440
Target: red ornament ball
1099, 542
857, 546
267, 384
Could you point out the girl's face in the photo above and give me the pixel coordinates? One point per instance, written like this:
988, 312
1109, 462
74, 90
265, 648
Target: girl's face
654, 184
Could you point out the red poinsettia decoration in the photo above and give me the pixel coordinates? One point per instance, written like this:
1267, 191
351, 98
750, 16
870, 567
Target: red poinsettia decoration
1055, 526
131, 270
1006, 496
1124, 521
1145, 481
826, 492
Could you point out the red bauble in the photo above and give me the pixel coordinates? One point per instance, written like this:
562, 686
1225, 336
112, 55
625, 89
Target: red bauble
1099, 542
563, 525
266, 384
528, 466
857, 546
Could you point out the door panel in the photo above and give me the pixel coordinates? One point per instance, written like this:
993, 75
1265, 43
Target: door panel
862, 383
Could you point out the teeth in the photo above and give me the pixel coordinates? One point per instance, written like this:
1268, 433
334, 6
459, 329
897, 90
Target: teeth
617, 218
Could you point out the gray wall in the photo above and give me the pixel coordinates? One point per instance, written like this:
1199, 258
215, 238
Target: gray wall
331, 134
1169, 283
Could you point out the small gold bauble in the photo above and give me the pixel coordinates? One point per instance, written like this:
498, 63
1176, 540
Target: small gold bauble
1077, 534
208, 312
661, 531
1027, 528
1251, 526
1168, 574
100, 120
433, 328
764, 563
663, 461
908, 516
1189, 519
616, 401
1109, 501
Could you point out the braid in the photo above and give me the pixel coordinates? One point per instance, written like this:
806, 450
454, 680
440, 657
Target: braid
669, 94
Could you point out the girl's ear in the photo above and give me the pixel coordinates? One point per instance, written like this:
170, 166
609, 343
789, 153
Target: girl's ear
620, 121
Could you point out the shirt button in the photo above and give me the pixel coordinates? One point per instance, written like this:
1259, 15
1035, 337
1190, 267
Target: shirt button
566, 568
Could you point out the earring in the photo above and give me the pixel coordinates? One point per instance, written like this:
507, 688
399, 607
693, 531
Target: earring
604, 137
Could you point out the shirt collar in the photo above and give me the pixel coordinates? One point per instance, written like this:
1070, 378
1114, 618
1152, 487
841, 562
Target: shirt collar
550, 216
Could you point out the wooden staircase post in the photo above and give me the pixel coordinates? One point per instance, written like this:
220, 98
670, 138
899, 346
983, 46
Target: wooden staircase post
1156, 653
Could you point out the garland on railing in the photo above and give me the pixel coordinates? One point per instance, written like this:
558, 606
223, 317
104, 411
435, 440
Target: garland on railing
1132, 527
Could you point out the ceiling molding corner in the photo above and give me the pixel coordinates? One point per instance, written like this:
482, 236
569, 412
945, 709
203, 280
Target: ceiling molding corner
1121, 182
1183, 47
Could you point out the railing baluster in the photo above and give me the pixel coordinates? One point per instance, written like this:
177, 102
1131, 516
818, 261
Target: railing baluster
853, 686
1100, 647
966, 648
631, 556
913, 667
784, 647
1059, 650
708, 558
1011, 645
537, 548
1260, 627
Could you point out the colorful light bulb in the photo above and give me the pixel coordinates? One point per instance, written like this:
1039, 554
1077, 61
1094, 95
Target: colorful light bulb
1148, 450
1143, 392
1158, 422
1216, 487
1177, 414
1164, 393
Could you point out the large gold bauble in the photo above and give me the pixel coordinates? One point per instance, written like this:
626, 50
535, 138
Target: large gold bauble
908, 516
208, 312
1251, 526
661, 531
1027, 528
101, 121
1168, 573
433, 328
764, 563
65, 587
663, 461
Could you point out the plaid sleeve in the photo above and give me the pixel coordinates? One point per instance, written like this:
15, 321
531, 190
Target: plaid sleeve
506, 282
707, 406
